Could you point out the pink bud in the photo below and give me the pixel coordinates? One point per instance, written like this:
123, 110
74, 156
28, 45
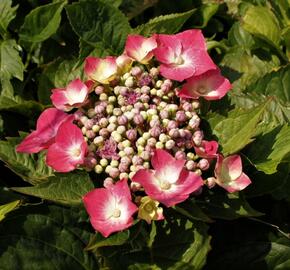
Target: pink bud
203, 164
104, 133
174, 133
138, 119
146, 154
90, 162
145, 89
131, 134
197, 137
187, 106
108, 182
100, 109
154, 72
180, 155
123, 167
125, 160
139, 106
136, 160
164, 114
99, 90
155, 131
114, 172
122, 120
154, 122
190, 165
210, 182
145, 98
89, 123
123, 90
180, 116
135, 71
172, 125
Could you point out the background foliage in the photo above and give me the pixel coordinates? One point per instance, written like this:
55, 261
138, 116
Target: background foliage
42, 222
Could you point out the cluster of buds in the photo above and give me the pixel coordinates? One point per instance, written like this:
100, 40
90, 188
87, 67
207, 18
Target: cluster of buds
135, 119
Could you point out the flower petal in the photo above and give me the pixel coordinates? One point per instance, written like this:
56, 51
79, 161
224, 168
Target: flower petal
239, 184
211, 85
46, 129
140, 48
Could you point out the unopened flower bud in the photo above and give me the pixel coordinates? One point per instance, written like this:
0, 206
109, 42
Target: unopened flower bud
180, 116
136, 71
174, 133
190, 165
131, 134
180, 155
121, 129
172, 124
203, 164
108, 182
169, 144
210, 182
124, 175
98, 169
103, 162
114, 163
99, 89
155, 132
129, 82
114, 172
78, 114
154, 72
104, 133
136, 160
117, 112
159, 145
138, 119
90, 134
164, 114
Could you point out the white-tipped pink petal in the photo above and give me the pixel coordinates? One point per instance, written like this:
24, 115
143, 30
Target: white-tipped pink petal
140, 48
110, 209
229, 175
102, 70
124, 62
73, 96
169, 183
183, 55
211, 85
69, 149
46, 129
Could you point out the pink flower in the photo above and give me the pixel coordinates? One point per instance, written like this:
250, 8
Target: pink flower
211, 85
110, 208
140, 48
183, 55
124, 63
169, 183
102, 70
69, 149
73, 96
229, 175
46, 129
208, 149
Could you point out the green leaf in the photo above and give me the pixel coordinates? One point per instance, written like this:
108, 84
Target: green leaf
244, 68
45, 238
10, 61
260, 21
117, 239
271, 149
238, 36
66, 188
227, 206
252, 255
167, 24
238, 129
178, 244
132, 8
192, 211
41, 22
268, 183
7, 14
88, 50
32, 168
207, 11
6, 208
99, 24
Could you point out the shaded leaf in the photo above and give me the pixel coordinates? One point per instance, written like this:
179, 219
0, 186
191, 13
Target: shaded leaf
167, 24
271, 149
66, 188
99, 24
227, 206
32, 168
117, 239
41, 22
132, 8
45, 237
